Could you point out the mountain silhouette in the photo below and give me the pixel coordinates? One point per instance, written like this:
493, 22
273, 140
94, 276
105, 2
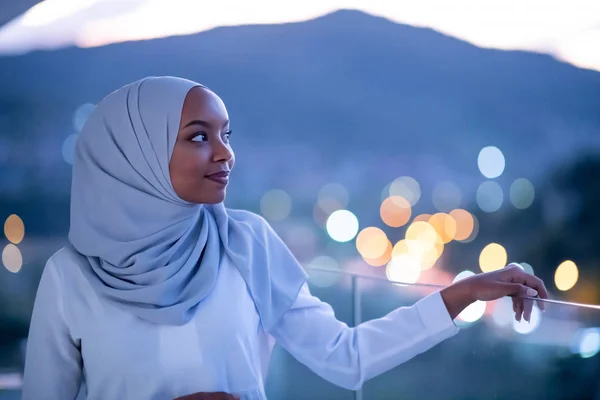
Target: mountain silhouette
347, 97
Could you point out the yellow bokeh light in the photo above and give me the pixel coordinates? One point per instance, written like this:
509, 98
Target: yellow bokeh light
383, 259
422, 217
566, 275
422, 231
372, 243
444, 225
492, 257
14, 229
422, 251
12, 258
395, 211
464, 223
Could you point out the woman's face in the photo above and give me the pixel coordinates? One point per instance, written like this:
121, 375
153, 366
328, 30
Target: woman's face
202, 157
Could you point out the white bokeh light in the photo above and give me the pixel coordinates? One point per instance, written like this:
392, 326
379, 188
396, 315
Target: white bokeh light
68, 148
489, 196
473, 312
81, 115
406, 187
503, 313
589, 342
403, 268
522, 193
342, 226
276, 205
523, 327
491, 162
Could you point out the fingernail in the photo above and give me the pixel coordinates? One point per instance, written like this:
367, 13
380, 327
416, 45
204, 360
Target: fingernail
532, 292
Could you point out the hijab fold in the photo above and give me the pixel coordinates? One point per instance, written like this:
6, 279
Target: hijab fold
145, 249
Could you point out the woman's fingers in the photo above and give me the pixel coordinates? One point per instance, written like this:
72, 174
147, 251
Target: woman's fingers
517, 275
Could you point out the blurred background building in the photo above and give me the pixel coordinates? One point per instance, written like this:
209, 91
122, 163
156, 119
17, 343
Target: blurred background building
414, 142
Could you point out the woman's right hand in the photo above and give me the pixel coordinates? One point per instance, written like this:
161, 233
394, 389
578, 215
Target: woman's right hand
209, 396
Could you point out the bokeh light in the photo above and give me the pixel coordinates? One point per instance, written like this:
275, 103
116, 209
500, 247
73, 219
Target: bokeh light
406, 187
527, 268
423, 252
403, 268
14, 229
473, 311
444, 225
422, 217
395, 211
566, 275
446, 196
503, 313
81, 115
276, 205
372, 243
464, 224
522, 193
493, 257
474, 232
323, 278
491, 162
588, 344
68, 148
383, 259
342, 226
332, 197
523, 327
489, 196
12, 258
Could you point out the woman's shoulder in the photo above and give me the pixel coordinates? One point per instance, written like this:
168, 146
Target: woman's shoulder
64, 261
248, 217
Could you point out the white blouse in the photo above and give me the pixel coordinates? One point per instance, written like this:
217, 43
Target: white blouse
81, 346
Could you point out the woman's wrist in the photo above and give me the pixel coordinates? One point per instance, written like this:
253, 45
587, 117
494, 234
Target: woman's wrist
457, 297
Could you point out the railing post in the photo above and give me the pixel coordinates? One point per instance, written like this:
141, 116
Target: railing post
356, 319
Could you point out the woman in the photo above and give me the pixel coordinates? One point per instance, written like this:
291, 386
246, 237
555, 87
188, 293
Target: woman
162, 292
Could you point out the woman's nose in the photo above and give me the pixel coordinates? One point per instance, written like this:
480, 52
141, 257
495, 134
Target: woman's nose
222, 152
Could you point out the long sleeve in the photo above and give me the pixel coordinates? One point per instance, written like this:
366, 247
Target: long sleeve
348, 356
53, 366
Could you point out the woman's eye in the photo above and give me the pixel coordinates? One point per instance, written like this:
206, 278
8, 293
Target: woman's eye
226, 136
199, 138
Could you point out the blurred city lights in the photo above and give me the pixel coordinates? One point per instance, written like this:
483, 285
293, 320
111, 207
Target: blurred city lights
527, 268
383, 259
372, 243
276, 205
523, 327
403, 268
406, 187
473, 311
491, 162
588, 344
446, 196
503, 313
81, 115
68, 148
12, 258
14, 229
444, 225
342, 226
492, 257
332, 197
566, 275
522, 193
464, 224
395, 211
474, 232
489, 196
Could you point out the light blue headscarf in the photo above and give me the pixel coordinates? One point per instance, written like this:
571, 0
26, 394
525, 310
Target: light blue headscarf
147, 250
